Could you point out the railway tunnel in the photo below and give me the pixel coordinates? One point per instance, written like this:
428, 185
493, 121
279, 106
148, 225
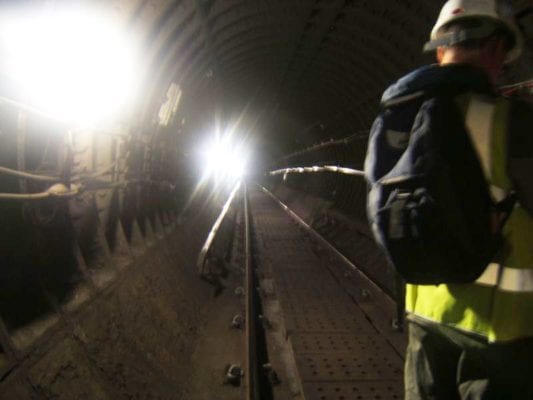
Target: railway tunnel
181, 200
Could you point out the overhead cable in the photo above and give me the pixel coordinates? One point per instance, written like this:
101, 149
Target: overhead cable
27, 175
48, 178
516, 87
55, 191
30, 109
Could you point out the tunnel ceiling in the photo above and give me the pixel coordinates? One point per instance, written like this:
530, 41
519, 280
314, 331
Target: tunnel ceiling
299, 71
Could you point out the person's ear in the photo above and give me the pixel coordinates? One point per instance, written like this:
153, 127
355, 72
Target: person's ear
440, 54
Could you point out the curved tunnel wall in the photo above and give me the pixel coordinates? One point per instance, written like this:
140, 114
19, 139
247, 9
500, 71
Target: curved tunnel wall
298, 72
130, 334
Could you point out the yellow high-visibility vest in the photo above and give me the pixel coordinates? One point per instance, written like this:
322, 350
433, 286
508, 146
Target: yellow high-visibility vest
499, 305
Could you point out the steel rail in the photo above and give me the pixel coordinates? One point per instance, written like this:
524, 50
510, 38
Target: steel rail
204, 252
324, 168
252, 373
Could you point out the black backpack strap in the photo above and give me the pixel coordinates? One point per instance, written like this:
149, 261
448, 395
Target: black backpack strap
520, 152
505, 208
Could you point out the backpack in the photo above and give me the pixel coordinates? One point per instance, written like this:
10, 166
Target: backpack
429, 203
520, 152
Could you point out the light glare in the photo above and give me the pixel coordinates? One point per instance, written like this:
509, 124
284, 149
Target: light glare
224, 160
74, 65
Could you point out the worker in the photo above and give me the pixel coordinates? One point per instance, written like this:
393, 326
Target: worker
475, 340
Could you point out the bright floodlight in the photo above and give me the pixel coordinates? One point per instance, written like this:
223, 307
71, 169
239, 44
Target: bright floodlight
224, 160
73, 64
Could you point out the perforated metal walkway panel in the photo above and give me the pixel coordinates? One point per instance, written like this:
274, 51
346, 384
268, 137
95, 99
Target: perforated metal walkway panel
339, 352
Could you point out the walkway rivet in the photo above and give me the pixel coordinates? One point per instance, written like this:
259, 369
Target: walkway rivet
234, 374
237, 322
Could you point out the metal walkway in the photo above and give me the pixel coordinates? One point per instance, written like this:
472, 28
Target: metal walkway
342, 352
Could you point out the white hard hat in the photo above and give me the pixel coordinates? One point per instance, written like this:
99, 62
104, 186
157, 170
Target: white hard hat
495, 11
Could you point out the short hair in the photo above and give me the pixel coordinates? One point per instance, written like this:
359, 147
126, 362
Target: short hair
499, 31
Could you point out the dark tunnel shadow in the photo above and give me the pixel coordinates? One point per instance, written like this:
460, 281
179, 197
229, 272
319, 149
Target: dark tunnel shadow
37, 262
112, 222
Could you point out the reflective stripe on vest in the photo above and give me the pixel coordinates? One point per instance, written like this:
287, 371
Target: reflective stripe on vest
516, 280
489, 277
499, 305
507, 279
480, 125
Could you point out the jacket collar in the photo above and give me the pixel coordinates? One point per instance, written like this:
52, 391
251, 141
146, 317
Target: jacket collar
459, 77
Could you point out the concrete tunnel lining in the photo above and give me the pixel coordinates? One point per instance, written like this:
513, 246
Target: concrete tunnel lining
99, 294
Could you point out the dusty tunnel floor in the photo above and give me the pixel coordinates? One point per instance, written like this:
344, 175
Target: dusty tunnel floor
218, 345
155, 330
152, 330
341, 342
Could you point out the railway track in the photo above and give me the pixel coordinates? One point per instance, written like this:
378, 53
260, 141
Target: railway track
316, 328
